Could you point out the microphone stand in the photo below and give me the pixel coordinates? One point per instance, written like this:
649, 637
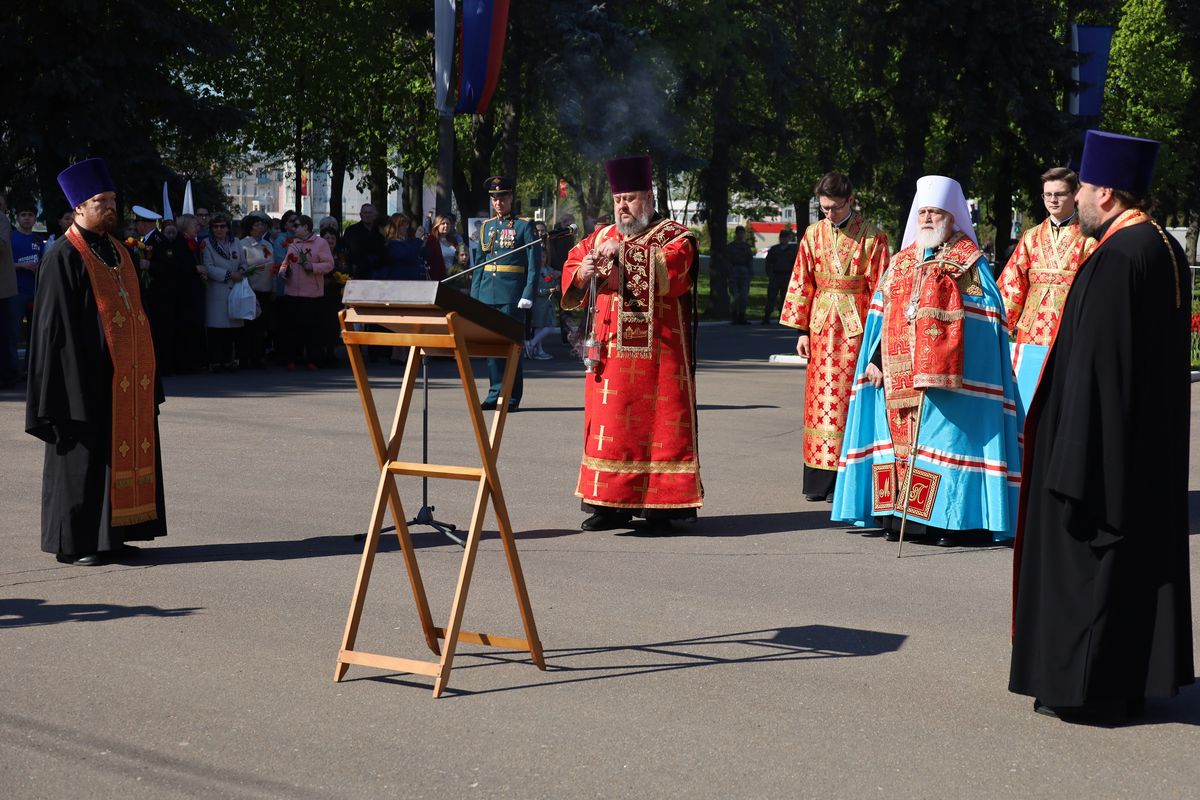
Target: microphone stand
425, 514
557, 233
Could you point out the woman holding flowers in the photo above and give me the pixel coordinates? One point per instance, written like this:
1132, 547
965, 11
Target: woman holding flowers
303, 271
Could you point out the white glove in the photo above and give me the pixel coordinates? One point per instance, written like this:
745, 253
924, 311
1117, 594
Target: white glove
524, 304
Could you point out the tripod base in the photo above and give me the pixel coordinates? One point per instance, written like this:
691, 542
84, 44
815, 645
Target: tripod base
425, 517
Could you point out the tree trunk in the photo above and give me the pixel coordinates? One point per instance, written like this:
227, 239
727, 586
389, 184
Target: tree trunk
511, 135
413, 193
54, 205
299, 163
1193, 233
337, 180
377, 178
1002, 188
714, 193
662, 179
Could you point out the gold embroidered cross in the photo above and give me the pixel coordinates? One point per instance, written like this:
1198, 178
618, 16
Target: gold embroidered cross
628, 417
125, 384
680, 424
933, 331
124, 449
596, 484
683, 376
145, 445
119, 320
645, 488
632, 370
650, 444
606, 392
144, 382
601, 439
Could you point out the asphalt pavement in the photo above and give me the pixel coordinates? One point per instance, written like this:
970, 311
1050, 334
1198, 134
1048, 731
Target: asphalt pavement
764, 652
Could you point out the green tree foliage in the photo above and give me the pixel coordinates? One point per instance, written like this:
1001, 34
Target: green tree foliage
106, 79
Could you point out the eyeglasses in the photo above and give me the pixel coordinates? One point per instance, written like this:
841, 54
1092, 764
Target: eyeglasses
833, 209
1055, 195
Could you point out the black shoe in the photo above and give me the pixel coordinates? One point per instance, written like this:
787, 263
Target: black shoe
605, 521
871, 533
90, 560
947, 541
814, 498
514, 407
1044, 710
892, 536
488, 405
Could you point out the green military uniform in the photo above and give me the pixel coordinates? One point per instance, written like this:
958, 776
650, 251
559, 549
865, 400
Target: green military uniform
510, 278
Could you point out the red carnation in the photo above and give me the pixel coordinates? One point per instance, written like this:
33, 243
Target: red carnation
292, 258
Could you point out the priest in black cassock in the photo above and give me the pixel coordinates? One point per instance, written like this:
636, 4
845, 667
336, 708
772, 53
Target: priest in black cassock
93, 388
1102, 606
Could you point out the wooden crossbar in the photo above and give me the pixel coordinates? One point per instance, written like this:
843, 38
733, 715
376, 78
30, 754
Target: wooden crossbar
435, 470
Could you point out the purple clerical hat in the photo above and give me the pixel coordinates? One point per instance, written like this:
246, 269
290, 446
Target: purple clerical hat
85, 180
629, 174
1118, 162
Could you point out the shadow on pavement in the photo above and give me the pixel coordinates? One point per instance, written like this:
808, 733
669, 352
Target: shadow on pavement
741, 525
312, 547
24, 612
749, 647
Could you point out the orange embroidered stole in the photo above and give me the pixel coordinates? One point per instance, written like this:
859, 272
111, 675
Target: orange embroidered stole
133, 491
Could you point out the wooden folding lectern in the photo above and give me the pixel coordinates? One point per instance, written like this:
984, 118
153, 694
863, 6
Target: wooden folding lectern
432, 319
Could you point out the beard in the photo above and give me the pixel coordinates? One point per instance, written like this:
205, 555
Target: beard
108, 222
929, 239
1089, 220
639, 224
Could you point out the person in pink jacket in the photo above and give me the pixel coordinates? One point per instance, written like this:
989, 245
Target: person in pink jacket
303, 271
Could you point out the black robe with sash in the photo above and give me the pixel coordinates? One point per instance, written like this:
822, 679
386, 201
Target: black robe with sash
1102, 606
69, 406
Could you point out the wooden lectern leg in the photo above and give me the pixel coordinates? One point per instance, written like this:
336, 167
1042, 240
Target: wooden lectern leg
454, 625
364, 573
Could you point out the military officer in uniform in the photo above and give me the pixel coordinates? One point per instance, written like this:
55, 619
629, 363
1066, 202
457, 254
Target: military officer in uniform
508, 283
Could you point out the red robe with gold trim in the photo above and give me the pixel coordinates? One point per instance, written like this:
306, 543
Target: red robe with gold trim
1036, 279
832, 282
922, 341
640, 446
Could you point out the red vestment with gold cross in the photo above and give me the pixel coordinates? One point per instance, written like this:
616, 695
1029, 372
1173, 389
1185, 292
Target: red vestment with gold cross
832, 282
1038, 276
640, 439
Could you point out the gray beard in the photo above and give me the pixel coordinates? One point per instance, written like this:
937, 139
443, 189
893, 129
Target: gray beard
927, 240
637, 226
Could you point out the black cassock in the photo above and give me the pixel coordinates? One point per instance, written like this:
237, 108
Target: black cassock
1103, 607
69, 406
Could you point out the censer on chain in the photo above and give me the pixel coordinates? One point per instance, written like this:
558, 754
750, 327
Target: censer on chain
591, 352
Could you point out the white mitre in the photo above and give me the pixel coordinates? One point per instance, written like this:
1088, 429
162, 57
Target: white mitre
938, 191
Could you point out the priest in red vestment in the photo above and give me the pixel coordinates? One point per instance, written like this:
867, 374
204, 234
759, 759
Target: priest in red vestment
637, 277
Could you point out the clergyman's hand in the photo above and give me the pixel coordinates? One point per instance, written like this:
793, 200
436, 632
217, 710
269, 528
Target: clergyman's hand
802, 346
875, 375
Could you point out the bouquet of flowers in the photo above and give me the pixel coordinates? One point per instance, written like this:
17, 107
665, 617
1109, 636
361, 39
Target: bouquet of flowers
302, 259
140, 251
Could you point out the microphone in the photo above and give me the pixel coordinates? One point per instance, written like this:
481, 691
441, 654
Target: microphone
562, 230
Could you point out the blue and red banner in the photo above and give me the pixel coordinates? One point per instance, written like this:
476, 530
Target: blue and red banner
484, 27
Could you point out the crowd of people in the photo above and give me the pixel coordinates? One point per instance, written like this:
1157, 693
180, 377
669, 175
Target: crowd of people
191, 268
